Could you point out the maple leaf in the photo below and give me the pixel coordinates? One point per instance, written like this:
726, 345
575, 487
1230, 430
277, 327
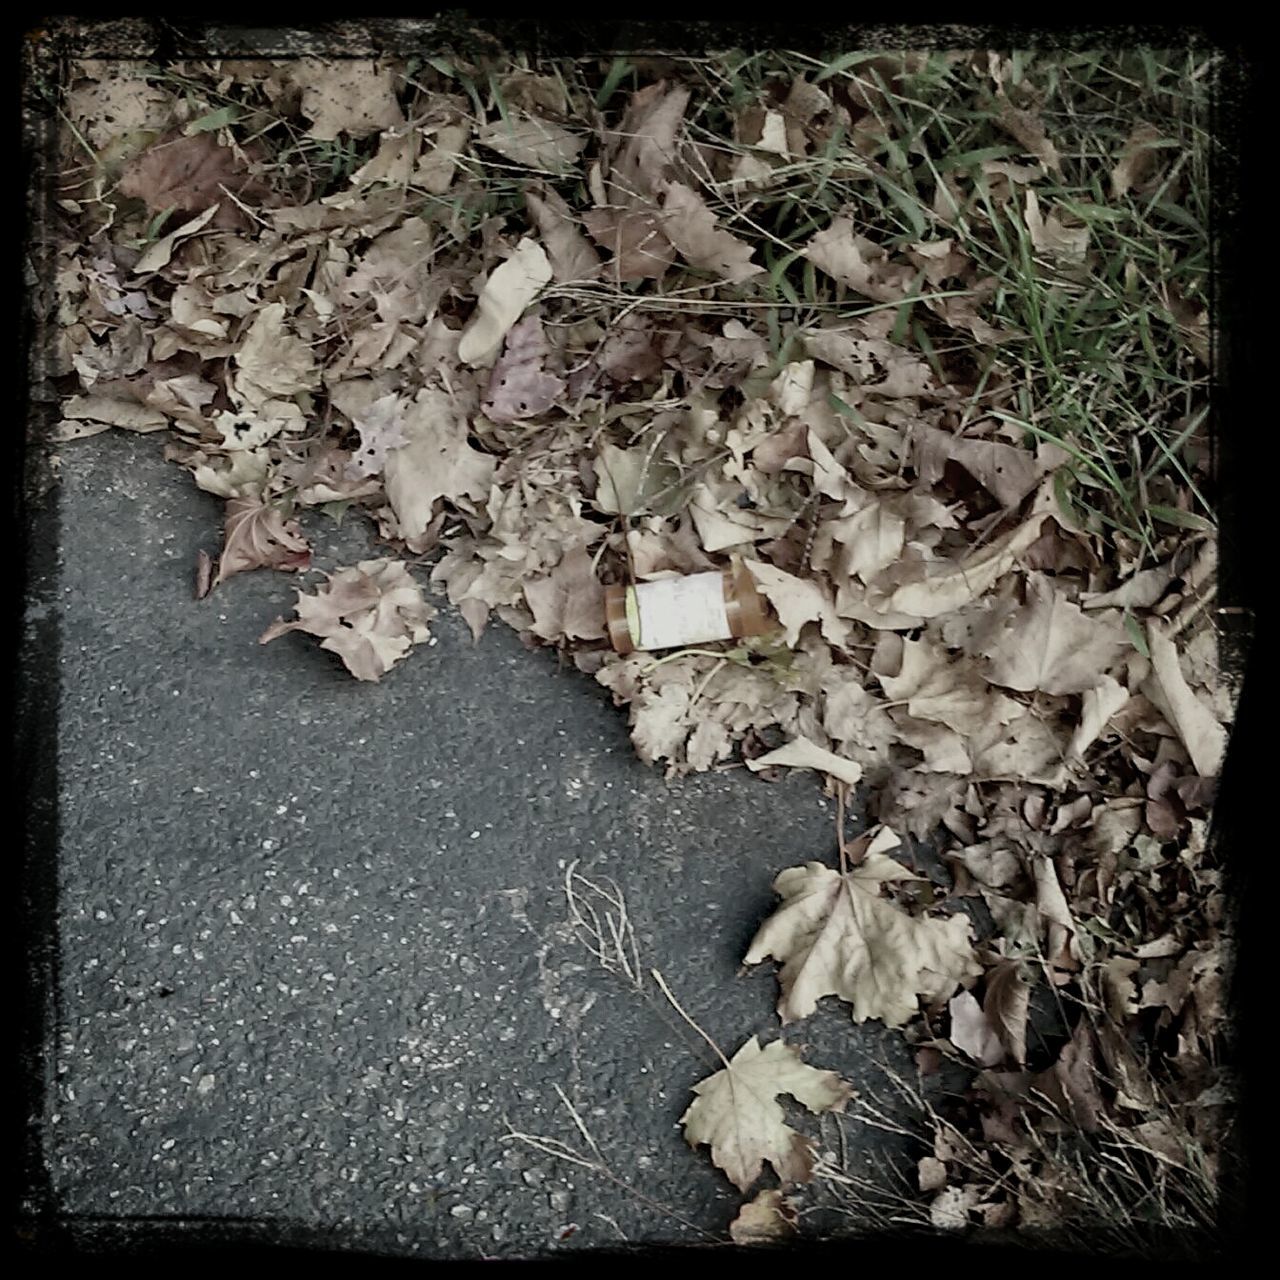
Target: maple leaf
1051, 645
569, 601
837, 935
257, 536
369, 615
511, 287
519, 386
737, 1114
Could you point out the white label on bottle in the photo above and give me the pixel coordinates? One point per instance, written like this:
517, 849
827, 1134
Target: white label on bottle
678, 611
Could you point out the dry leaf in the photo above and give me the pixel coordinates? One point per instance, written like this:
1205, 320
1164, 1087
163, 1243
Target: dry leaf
737, 1113
572, 257
1138, 161
1050, 236
1005, 1004
836, 935
187, 175
971, 1032
380, 431
801, 753
769, 1217
569, 602
1027, 129
272, 362
1051, 645
796, 601
509, 290
128, 414
533, 142
258, 536
355, 96
519, 386
369, 615
438, 462
856, 261
1204, 738
1006, 472
692, 228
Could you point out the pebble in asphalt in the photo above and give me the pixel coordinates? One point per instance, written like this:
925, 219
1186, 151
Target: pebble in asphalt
314, 950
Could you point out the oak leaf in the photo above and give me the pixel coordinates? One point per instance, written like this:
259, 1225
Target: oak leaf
738, 1115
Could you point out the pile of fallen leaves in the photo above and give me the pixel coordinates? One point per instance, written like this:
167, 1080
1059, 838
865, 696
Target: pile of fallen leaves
541, 342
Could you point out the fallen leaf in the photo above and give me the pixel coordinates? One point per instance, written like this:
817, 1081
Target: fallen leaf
257, 536
369, 615
533, 142
272, 362
1005, 471
949, 1209
971, 1031
1005, 1003
509, 290
1204, 738
736, 1112
856, 261
380, 430
519, 386
157, 255
1051, 645
700, 241
934, 687
836, 935
1050, 236
797, 601
1138, 161
187, 175
769, 1217
572, 257
355, 96
128, 414
437, 462
801, 753
569, 602
1025, 127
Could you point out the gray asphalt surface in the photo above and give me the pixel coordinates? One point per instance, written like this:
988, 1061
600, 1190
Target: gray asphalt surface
314, 944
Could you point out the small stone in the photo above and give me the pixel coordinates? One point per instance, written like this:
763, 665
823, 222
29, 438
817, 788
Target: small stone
560, 1201
533, 1177
462, 1211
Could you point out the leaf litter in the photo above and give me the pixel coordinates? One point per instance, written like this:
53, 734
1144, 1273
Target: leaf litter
558, 346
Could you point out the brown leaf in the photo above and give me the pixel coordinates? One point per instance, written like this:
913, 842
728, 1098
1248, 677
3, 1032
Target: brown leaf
571, 254
519, 386
188, 175
1005, 471
856, 261
971, 1031
837, 935
737, 1114
204, 574
355, 96
1005, 1004
258, 536
1026, 128
1139, 160
569, 602
771, 1216
369, 615
1051, 645
692, 228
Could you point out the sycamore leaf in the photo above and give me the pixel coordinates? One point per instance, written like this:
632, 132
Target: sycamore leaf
837, 935
569, 602
258, 536
800, 753
770, 1216
437, 462
692, 228
369, 615
1051, 645
511, 287
737, 1114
